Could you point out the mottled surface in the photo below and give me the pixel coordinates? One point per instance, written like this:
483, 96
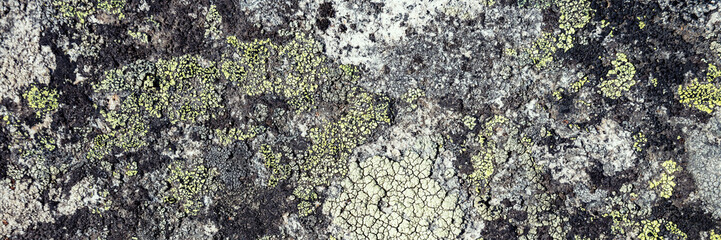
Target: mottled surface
362, 119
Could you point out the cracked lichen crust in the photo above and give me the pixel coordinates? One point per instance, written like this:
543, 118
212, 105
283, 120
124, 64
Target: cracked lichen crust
395, 199
705, 165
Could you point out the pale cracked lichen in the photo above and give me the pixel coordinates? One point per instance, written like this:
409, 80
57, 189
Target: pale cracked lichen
387, 199
22, 59
704, 148
611, 145
20, 206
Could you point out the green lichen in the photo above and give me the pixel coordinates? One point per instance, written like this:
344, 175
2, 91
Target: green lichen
213, 22
558, 94
639, 141
543, 49
80, 10
140, 36
482, 162
411, 96
42, 100
187, 186
114, 7
333, 142
702, 96
577, 85
712, 72
180, 89
620, 77
350, 72
650, 230
673, 229
469, 121
664, 183
297, 69
574, 15
230, 135
277, 171
714, 236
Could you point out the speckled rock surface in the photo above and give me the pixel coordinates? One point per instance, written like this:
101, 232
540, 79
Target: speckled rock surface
360, 119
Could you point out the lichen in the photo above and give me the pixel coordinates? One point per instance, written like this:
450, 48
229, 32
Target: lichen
620, 78
278, 172
702, 96
387, 199
42, 100
664, 183
187, 187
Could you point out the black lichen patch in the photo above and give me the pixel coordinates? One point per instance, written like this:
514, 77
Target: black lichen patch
500, 229
588, 224
610, 183
325, 12
81, 224
64, 67
237, 22
181, 28
323, 24
690, 219
4, 152
260, 214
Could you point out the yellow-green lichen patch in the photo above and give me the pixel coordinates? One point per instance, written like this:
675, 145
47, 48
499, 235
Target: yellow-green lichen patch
296, 68
702, 96
114, 7
483, 161
712, 72
411, 96
639, 141
672, 228
213, 21
650, 230
664, 183
714, 236
641, 23
350, 72
577, 85
140, 36
188, 186
386, 199
469, 121
278, 172
543, 49
181, 89
43, 100
80, 10
230, 135
332, 142
620, 78
558, 94
575, 14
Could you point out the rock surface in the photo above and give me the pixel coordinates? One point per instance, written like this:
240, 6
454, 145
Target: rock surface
361, 119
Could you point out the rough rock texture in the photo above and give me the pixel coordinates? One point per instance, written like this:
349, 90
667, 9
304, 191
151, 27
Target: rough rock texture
360, 119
